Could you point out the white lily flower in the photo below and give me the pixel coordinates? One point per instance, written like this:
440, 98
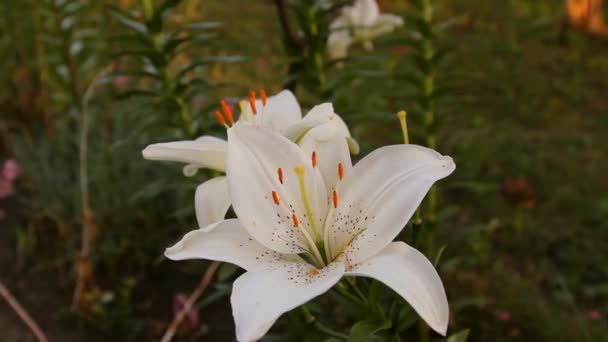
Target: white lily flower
343, 222
281, 113
360, 23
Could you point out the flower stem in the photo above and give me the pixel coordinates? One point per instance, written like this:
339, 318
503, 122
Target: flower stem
310, 319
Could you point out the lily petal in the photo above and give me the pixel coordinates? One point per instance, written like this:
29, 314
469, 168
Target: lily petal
386, 23
254, 156
281, 111
225, 241
211, 201
205, 152
410, 274
261, 296
318, 115
339, 39
380, 195
365, 12
330, 152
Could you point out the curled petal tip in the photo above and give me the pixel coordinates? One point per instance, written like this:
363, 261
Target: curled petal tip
174, 250
353, 146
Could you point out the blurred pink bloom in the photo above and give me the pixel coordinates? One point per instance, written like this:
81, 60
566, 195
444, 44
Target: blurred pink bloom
121, 81
10, 170
199, 103
595, 315
504, 315
178, 304
6, 187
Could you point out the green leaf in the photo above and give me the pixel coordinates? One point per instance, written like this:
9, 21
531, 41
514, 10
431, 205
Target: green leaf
438, 255
366, 330
405, 319
460, 336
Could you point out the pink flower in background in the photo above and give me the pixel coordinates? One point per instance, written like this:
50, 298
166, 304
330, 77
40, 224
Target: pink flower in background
6, 188
121, 81
10, 170
595, 315
504, 316
178, 304
199, 103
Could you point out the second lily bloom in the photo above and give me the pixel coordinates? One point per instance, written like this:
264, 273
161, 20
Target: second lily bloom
280, 113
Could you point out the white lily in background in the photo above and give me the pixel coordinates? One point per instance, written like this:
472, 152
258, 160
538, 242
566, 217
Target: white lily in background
359, 23
281, 113
301, 228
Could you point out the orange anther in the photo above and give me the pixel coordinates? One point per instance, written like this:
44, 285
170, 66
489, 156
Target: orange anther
227, 111
275, 197
220, 118
280, 172
314, 158
252, 102
340, 170
263, 96
335, 199
296, 223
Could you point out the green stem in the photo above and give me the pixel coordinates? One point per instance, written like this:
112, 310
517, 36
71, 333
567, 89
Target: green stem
310, 319
343, 290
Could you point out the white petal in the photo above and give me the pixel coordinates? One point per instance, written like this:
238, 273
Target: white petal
261, 296
318, 115
366, 12
380, 195
211, 201
208, 153
281, 111
386, 23
339, 39
331, 150
254, 156
225, 241
410, 274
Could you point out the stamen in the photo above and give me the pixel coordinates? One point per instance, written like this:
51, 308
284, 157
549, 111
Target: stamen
402, 115
275, 197
263, 96
296, 223
220, 118
243, 105
335, 199
340, 170
314, 158
280, 172
299, 170
227, 111
252, 102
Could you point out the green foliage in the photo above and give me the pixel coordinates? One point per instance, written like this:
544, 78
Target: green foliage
154, 51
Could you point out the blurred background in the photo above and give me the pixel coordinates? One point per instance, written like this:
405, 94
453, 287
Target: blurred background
519, 100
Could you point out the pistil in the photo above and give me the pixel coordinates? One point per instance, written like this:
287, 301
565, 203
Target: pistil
299, 170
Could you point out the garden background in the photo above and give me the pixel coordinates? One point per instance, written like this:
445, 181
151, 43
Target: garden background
519, 101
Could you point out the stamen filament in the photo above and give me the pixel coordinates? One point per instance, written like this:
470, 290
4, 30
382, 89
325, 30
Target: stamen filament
227, 111
275, 198
299, 170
